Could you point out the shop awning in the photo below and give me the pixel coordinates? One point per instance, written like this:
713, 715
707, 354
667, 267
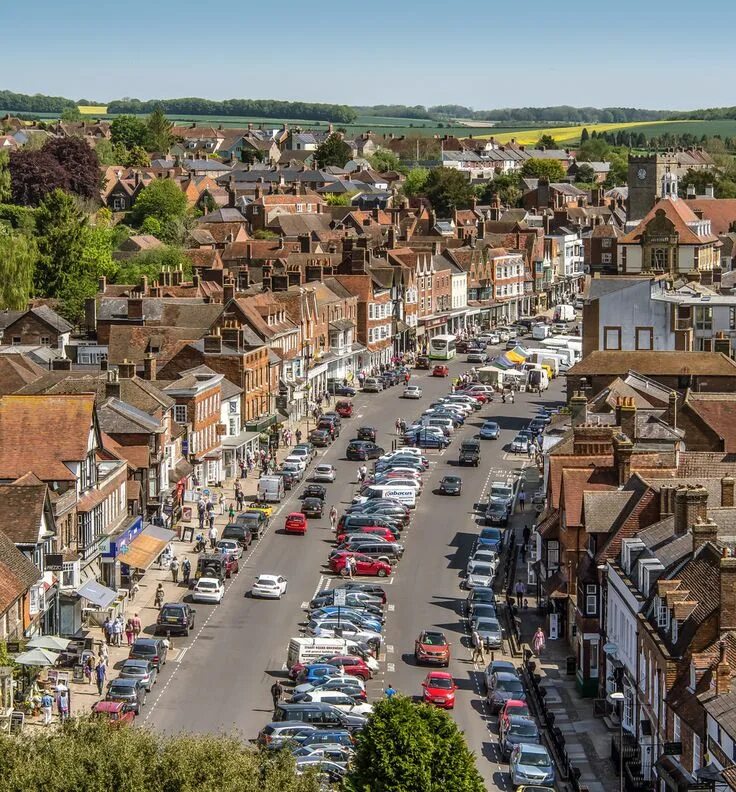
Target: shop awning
97, 594
401, 326
181, 470
146, 547
238, 441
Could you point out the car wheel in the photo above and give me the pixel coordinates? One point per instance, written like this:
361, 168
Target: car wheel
382, 573
343, 572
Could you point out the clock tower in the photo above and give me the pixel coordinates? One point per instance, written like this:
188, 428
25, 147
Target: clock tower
645, 180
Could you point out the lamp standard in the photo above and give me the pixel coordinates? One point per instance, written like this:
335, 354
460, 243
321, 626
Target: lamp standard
618, 698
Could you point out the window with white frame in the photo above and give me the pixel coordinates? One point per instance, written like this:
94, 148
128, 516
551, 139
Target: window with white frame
661, 612
696, 753
591, 599
675, 728
642, 672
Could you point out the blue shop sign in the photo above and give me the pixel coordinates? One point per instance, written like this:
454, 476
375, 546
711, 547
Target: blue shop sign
123, 539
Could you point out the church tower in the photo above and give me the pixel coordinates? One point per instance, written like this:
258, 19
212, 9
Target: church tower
646, 181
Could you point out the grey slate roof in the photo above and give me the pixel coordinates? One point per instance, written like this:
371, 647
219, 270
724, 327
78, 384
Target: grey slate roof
602, 508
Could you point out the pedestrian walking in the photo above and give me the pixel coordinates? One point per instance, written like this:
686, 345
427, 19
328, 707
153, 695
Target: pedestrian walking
359, 476
389, 691
231, 513
221, 503
62, 701
239, 500
520, 590
47, 707
119, 628
89, 667
135, 588
186, 570
100, 676
529, 450
159, 598
129, 632
298, 436
174, 569
522, 500
397, 424
525, 535
349, 566
478, 654
333, 518
539, 642
107, 629
102, 654
277, 690
136, 622
212, 534
363, 472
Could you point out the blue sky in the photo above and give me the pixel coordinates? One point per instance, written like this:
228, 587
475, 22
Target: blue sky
647, 53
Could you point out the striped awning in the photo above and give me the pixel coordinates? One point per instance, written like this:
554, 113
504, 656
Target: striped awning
146, 547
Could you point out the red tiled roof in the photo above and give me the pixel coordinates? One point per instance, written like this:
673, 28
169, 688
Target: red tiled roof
717, 411
679, 214
720, 211
577, 481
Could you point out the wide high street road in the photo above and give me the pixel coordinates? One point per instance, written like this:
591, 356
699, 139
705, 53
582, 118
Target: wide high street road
220, 678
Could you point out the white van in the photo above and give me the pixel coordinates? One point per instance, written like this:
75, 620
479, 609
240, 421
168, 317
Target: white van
446, 424
306, 650
270, 489
405, 495
537, 379
564, 313
540, 331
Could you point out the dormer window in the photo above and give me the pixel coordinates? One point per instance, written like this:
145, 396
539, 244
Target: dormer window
674, 630
661, 607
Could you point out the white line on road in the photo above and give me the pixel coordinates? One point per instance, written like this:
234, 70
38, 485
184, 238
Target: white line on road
389, 648
390, 668
392, 608
181, 654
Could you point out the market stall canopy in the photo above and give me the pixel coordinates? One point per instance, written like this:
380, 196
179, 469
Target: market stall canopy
52, 642
517, 354
97, 594
37, 657
146, 547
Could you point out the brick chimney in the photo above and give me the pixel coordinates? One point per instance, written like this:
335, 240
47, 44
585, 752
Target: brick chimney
672, 410
691, 502
135, 308
722, 343
626, 416
728, 483
112, 385
728, 591
623, 450
149, 367
213, 343
126, 369
228, 291
579, 409
391, 241
723, 671
666, 500
592, 440
703, 531
305, 243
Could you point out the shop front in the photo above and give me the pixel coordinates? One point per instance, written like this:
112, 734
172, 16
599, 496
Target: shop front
137, 556
112, 550
235, 450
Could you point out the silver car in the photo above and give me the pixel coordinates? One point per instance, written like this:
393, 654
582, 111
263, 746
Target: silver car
531, 764
490, 632
482, 576
324, 473
482, 557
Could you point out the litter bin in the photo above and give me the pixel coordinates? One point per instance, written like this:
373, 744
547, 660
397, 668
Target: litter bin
570, 665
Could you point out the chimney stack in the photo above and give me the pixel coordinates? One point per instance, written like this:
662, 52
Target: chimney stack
579, 409
666, 500
672, 410
626, 416
703, 531
723, 671
135, 308
728, 483
149, 367
623, 450
213, 343
126, 369
228, 291
691, 503
728, 591
112, 385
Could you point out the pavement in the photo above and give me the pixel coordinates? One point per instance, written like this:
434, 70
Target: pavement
218, 678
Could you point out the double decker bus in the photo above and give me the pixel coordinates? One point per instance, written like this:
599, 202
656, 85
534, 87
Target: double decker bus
442, 347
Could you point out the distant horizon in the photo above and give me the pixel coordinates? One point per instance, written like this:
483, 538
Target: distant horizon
402, 53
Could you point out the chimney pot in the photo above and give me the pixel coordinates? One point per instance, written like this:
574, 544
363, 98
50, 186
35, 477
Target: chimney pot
691, 502
149, 367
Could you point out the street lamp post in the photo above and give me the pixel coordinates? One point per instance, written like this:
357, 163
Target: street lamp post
618, 698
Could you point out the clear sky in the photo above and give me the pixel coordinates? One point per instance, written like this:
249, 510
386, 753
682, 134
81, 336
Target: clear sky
634, 53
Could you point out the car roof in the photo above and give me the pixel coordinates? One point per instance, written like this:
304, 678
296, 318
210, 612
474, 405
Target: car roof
507, 676
533, 748
108, 706
439, 675
146, 642
208, 580
295, 514
136, 661
268, 577
125, 682
521, 719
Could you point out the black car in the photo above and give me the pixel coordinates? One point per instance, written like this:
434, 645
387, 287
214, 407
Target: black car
389, 378
369, 588
451, 485
315, 491
332, 416
128, 691
340, 390
312, 507
238, 533
320, 437
175, 617
255, 521
367, 433
152, 649
288, 476
360, 450
332, 429
394, 512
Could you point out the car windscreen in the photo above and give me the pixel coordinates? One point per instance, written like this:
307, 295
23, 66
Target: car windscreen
534, 759
523, 729
482, 570
510, 685
207, 584
500, 492
171, 612
433, 639
441, 682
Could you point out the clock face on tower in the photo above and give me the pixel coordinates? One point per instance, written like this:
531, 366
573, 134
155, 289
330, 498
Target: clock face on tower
642, 174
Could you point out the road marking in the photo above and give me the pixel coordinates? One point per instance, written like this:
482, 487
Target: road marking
392, 608
304, 605
389, 648
181, 654
390, 668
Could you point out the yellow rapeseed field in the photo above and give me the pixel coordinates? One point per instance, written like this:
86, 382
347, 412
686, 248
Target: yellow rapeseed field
92, 109
566, 134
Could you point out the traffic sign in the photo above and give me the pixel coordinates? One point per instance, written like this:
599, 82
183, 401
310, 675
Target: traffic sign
339, 598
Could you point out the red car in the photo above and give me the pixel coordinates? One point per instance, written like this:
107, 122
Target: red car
232, 566
355, 666
512, 707
116, 713
439, 689
296, 523
376, 530
431, 646
344, 409
440, 371
363, 565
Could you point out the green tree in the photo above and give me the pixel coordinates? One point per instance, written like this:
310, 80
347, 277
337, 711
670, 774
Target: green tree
507, 186
447, 190
585, 174
535, 168
593, 150
160, 137
415, 182
162, 199
334, 151
409, 747
60, 228
137, 157
87, 755
584, 135
546, 142
338, 199
385, 160
70, 114
129, 131
151, 263
151, 226
18, 257
107, 153
265, 234
4, 176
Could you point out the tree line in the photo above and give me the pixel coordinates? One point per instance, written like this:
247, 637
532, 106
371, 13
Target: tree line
267, 108
36, 103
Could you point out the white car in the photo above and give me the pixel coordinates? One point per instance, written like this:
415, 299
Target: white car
482, 557
330, 627
297, 459
412, 392
208, 590
230, 546
324, 473
404, 451
340, 700
352, 685
494, 338
302, 453
269, 586
503, 336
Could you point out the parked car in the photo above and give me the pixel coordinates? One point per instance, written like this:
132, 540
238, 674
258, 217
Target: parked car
425, 438
313, 507
431, 646
116, 713
208, 590
362, 450
296, 522
440, 371
320, 437
336, 698
144, 670
503, 686
496, 514
510, 708
412, 392
324, 472
367, 433
269, 586
490, 538
477, 357
229, 546
451, 485
127, 691
520, 444
490, 632
152, 649
490, 430
322, 715
255, 520
530, 763
364, 565
353, 666
372, 385
344, 409
314, 491
515, 731
175, 617
352, 685
439, 689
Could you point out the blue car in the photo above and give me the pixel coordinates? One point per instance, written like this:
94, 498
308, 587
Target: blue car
422, 439
314, 673
491, 538
352, 616
343, 390
490, 430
